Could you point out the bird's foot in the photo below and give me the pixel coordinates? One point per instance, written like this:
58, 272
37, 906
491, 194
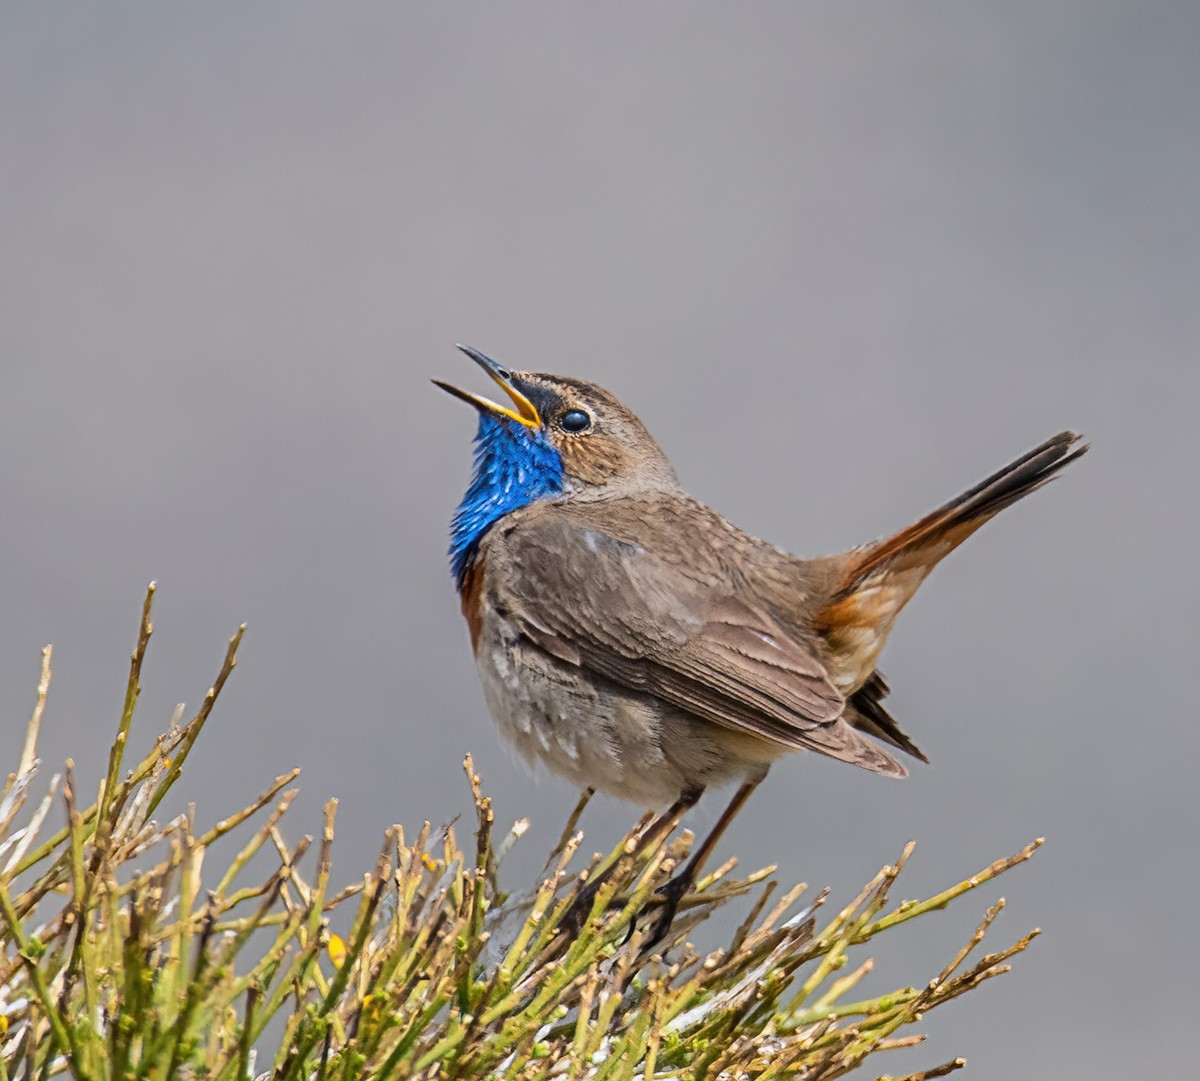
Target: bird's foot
580, 909
672, 892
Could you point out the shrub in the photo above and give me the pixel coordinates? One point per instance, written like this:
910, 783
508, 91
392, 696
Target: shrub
128, 955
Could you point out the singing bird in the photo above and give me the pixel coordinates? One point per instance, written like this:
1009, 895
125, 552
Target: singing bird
634, 641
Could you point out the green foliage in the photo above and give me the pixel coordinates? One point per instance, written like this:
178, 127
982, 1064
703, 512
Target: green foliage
124, 956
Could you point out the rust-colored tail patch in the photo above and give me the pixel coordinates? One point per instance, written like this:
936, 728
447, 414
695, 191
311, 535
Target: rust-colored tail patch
881, 577
924, 543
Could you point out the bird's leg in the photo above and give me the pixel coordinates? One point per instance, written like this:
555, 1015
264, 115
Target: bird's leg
673, 891
581, 907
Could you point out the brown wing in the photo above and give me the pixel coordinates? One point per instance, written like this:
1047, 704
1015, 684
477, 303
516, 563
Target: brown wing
674, 629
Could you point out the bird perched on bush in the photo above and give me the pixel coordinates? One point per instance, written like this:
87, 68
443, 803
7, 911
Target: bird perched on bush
634, 641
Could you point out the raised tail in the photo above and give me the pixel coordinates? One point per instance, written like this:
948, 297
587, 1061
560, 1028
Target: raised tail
878, 579
926, 542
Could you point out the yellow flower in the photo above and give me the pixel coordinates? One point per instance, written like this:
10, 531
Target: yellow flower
336, 949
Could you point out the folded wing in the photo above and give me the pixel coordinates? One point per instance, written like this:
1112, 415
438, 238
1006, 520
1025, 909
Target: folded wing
677, 631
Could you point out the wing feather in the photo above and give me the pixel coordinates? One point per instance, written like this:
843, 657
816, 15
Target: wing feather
679, 631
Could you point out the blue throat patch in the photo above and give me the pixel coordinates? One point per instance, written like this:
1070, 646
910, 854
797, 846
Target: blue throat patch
514, 466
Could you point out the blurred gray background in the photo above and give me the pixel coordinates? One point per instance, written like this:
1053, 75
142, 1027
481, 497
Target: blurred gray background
843, 260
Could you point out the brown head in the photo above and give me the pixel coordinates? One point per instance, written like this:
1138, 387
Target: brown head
558, 438
600, 442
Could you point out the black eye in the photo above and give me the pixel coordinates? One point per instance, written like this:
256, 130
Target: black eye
574, 420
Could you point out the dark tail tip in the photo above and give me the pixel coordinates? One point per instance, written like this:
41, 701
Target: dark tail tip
953, 522
1020, 477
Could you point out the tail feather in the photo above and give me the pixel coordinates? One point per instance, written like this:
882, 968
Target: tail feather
878, 579
946, 528
866, 712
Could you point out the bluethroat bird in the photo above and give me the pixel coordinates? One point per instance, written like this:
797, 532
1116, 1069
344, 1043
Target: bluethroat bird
634, 641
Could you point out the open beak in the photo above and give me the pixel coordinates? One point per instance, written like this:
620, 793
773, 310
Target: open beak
523, 411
